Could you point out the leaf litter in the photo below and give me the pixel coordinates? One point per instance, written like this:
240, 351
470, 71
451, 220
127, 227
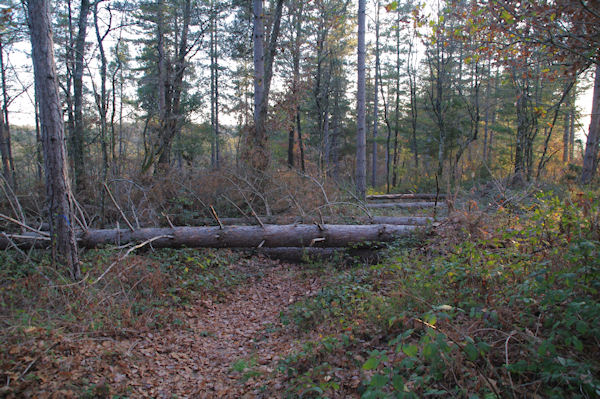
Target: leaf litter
225, 345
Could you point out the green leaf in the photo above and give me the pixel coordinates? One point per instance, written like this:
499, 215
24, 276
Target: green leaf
506, 16
371, 363
577, 343
391, 6
471, 352
429, 351
398, 382
378, 381
410, 350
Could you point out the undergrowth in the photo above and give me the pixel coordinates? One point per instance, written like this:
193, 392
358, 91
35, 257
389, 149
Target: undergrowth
494, 306
118, 297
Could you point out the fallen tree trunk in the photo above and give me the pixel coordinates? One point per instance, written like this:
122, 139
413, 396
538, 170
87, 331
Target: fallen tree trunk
376, 197
271, 236
307, 255
404, 220
407, 205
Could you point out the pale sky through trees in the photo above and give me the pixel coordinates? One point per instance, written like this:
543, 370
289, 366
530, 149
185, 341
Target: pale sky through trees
22, 110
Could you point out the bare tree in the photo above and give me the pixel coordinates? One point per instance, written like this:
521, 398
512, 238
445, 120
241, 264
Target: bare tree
77, 134
256, 150
58, 190
361, 142
375, 101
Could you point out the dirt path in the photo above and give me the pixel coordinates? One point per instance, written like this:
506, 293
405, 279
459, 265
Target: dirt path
225, 347
195, 358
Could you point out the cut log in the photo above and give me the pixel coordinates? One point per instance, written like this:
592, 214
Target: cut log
271, 236
404, 220
410, 196
407, 205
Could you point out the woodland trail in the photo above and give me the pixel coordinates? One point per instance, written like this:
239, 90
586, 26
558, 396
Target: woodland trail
191, 357
196, 360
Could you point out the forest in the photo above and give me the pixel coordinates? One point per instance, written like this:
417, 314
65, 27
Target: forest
299, 199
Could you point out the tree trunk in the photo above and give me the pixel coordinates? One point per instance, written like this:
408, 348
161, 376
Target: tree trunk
361, 137
397, 110
590, 158
375, 102
279, 220
408, 205
214, 88
256, 153
58, 190
5, 144
404, 196
102, 105
414, 110
269, 236
77, 134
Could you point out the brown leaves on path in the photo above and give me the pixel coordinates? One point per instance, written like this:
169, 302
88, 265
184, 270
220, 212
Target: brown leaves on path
226, 346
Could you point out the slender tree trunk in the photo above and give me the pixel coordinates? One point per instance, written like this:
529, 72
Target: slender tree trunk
486, 117
572, 132
5, 140
566, 131
590, 158
387, 141
214, 88
38, 137
258, 153
375, 102
58, 190
397, 110
361, 138
294, 125
300, 141
102, 105
77, 135
414, 111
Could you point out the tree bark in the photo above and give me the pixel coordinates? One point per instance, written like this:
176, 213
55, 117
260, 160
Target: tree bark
405, 196
77, 134
269, 236
590, 158
5, 144
375, 102
256, 153
408, 205
58, 190
361, 138
395, 220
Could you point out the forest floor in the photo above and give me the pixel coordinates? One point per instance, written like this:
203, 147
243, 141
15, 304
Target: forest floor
225, 345
487, 305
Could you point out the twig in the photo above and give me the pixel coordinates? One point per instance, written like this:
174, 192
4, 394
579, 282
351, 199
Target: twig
34, 361
130, 250
17, 204
83, 223
24, 237
16, 247
118, 207
460, 346
316, 240
512, 386
235, 205
318, 183
15, 221
168, 220
256, 217
214, 213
